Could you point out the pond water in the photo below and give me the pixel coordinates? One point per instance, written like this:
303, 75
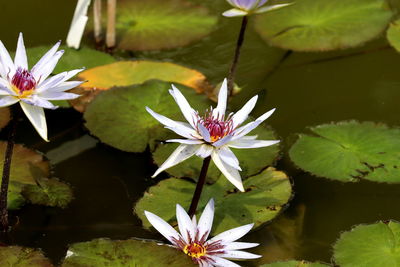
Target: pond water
306, 88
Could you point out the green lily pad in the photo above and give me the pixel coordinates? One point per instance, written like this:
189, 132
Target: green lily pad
349, 151
5, 117
118, 119
252, 161
26, 165
323, 25
161, 24
126, 73
373, 245
22, 257
393, 34
295, 264
266, 195
126, 253
48, 192
14, 197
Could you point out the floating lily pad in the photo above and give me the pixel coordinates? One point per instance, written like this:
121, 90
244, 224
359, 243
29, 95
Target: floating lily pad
393, 34
26, 166
310, 25
266, 194
126, 253
252, 161
373, 245
14, 198
48, 192
22, 257
118, 116
5, 117
126, 73
161, 24
350, 151
295, 264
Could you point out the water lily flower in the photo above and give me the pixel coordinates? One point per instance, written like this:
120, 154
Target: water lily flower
31, 88
192, 239
213, 134
247, 7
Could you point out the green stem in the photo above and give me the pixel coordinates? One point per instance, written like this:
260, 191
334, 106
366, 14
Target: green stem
239, 43
199, 187
6, 173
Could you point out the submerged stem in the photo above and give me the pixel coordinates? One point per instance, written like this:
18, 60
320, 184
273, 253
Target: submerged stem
199, 186
239, 43
6, 172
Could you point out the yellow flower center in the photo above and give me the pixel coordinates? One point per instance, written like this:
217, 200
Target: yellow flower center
195, 250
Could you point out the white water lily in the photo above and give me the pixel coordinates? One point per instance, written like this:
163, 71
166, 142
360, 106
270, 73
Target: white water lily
192, 239
31, 88
247, 7
213, 134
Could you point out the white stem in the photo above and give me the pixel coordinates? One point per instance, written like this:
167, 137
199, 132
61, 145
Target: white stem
97, 20
111, 13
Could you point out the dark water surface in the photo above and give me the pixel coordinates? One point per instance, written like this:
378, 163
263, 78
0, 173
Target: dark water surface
307, 88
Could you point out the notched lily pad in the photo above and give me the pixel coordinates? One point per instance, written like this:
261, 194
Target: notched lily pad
118, 119
22, 257
48, 192
373, 245
124, 253
5, 117
349, 151
323, 25
266, 194
26, 166
295, 264
127, 73
161, 24
393, 35
252, 161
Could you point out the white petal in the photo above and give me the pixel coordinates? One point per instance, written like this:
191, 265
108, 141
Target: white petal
229, 157
43, 61
204, 151
234, 12
242, 131
36, 116
185, 141
229, 172
5, 85
181, 153
185, 224
58, 96
219, 111
38, 101
270, 8
65, 86
78, 24
6, 61
239, 255
223, 141
162, 226
178, 127
206, 220
240, 143
232, 234
204, 132
57, 80
187, 111
20, 60
220, 262
46, 69
7, 100
240, 116
240, 245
